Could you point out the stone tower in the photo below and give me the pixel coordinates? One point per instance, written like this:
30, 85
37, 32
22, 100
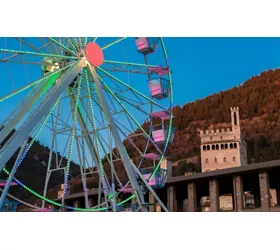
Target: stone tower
223, 148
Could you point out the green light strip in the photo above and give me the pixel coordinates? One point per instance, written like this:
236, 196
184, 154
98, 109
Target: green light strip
73, 46
102, 209
32, 84
96, 135
129, 87
80, 41
131, 64
31, 143
61, 45
46, 199
73, 135
113, 43
76, 42
36, 53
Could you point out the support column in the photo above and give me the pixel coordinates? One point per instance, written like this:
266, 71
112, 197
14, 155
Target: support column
152, 200
238, 193
214, 195
264, 191
171, 198
192, 198
278, 196
185, 205
90, 202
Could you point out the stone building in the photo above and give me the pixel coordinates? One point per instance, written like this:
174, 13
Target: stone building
223, 148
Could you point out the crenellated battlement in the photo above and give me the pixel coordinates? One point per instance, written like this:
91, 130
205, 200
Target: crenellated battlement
217, 131
234, 109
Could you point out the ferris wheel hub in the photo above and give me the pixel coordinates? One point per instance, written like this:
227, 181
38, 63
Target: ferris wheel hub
94, 54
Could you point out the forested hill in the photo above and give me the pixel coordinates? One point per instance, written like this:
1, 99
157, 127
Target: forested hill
259, 101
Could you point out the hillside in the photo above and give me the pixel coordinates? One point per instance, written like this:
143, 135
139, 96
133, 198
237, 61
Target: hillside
258, 99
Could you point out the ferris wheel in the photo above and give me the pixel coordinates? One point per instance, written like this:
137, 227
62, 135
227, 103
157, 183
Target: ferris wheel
103, 107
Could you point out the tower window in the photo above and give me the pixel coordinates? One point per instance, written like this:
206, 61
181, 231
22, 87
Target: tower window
225, 159
231, 146
235, 145
213, 147
206, 161
217, 147
222, 146
208, 147
204, 148
233, 158
215, 160
226, 146
235, 118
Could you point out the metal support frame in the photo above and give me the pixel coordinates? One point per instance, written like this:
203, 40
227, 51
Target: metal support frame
25, 108
41, 111
126, 161
89, 141
11, 176
151, 189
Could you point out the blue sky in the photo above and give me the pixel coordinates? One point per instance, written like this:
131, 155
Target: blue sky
203, 66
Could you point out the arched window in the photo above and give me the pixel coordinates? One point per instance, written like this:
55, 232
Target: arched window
225, 159
208, 147
204, 148
226, 146
233, 158
215, 160
231, 146
217, 147
222, 146
235, 145
210, 137
206, 161
221, 137
213, 147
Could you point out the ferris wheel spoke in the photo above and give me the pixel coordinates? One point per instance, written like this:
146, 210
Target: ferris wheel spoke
113, 43
28, 45
51, 46
116, 136
106, 156
95, 155
94, 39
130, 64
132, 89
135, 121
35, 53
41, 110
26, 108
76, 43
133, 105
68, 40
93, 124
33, 83
128, 137
74, 106
61, 45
